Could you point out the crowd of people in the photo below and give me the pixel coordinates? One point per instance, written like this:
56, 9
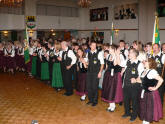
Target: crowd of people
129, 74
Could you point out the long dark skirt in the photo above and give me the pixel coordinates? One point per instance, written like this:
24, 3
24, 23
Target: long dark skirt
34, 66
57, 81
112, 91
11, 64
21, 61
29, 65
44, 71
151, 107
2, 59
81, 85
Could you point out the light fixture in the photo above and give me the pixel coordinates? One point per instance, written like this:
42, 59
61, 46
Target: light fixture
84, 3
54, 34
5, 33
11, 3
31, 33
116, 32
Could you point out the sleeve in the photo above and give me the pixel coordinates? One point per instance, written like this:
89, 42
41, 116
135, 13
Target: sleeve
60, 55
126, 53
123, 62
152, 74
72, 56
140, 69
101, 57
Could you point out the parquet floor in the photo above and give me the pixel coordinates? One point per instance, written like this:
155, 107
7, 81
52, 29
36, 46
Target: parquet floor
23, 99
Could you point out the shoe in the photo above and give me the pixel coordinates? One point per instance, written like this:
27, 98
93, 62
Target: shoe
94, 104
88, 103
125, 115
132, 119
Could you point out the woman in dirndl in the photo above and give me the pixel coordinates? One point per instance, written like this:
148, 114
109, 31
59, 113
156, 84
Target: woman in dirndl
44, 63
150, 107
82, 72
10, 58
112, 83
57, 81
20, 61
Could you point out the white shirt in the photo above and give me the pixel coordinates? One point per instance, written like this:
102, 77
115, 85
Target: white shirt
70, 55
100, 56
151, 75
163, 57
12, 52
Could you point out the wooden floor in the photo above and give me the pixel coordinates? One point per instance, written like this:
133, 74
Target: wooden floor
23, 99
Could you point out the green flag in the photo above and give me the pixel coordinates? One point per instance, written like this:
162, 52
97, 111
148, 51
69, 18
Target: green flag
156, 34
26, 51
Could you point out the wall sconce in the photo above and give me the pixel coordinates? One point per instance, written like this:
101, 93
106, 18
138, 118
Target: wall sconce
31, 33
5, 33
116, 32
51, 30
54, 34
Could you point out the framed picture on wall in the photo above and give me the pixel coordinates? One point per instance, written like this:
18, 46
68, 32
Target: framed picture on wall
99, 14
127, 11
161, 8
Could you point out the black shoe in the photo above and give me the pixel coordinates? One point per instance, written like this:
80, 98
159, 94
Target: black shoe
133, 119
125, 115
94, 104
88, 103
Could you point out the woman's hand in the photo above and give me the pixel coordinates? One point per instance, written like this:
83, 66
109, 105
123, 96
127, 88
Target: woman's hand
152, 88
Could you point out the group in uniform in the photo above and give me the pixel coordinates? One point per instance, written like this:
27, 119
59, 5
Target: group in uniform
128, 74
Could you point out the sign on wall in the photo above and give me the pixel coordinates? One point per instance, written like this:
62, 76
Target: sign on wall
31, 22
99, 14
126, 11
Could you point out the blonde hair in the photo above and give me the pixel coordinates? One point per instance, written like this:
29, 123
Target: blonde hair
57, 46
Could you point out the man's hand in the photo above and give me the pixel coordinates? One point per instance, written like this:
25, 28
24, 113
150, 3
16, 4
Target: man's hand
68, 67
133, 80
99, 75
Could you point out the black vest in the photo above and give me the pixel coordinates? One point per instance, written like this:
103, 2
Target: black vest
146, 83
65, 59
51, 55
131, 72
158, 60
94, 63
82, 69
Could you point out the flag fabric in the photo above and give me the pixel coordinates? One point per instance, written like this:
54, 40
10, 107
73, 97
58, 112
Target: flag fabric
26, 51
156, 34
112, 34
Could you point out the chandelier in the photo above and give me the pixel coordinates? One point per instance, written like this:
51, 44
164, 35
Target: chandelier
84, 3
11, 3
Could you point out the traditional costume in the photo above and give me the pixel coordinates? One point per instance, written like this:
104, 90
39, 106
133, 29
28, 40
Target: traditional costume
150, 102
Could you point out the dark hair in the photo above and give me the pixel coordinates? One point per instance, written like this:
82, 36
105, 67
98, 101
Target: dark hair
152, 63
149, 43
106, 51
122, 41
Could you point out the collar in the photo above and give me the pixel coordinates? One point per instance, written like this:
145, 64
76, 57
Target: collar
136, 61
94, 51
159, 54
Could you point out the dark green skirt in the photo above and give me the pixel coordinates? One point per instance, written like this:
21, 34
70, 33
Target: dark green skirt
57, 76
44, 71
34, 62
